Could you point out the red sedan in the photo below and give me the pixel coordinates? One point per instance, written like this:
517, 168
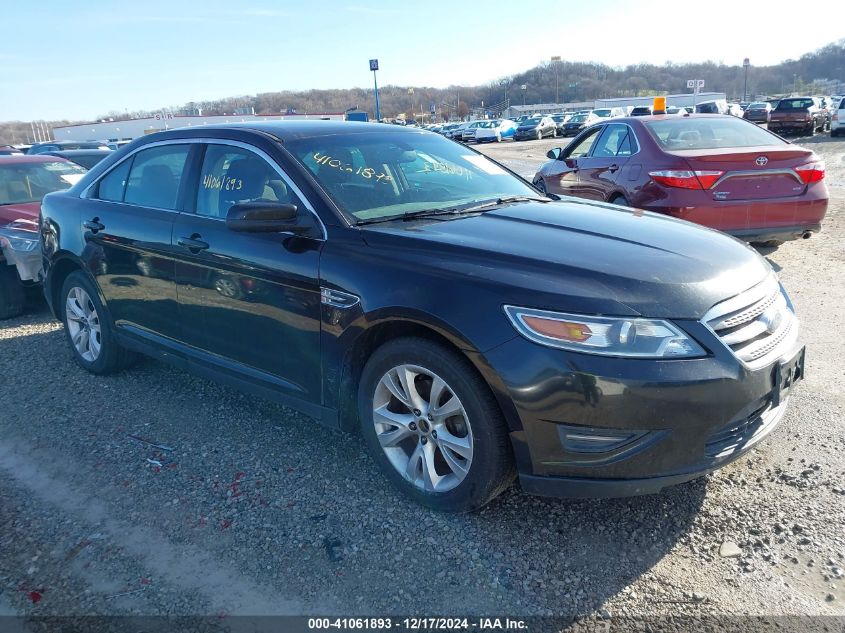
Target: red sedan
719, 171
24, 180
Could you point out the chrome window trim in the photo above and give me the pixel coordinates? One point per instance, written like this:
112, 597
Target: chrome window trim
87, 192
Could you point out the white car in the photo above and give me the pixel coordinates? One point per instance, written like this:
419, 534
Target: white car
608, 113
468, 133
495, 130
837, 119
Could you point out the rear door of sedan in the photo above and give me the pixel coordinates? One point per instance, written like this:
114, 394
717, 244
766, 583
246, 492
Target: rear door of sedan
599, 170
249, 302
128, 219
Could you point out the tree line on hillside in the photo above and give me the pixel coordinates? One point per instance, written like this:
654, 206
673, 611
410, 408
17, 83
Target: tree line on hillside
549, 82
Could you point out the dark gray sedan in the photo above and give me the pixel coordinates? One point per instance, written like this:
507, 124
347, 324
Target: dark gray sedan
537, 127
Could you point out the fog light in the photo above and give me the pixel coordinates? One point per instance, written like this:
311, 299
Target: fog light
578, 439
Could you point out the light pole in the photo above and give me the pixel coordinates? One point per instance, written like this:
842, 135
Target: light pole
745, 64
556, 62
523, 87
374, 68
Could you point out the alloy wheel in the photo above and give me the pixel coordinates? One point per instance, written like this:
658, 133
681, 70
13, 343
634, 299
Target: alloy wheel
83, 324
423, 428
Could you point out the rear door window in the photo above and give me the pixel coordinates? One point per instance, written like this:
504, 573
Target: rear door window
155, 177
113, 185
614, 141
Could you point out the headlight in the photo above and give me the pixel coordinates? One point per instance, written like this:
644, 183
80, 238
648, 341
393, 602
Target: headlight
607, 336
21, 241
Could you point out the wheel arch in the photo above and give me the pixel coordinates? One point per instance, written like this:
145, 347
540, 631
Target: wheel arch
388, 329
63, 265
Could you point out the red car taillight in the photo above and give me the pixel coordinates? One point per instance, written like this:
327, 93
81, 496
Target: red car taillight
835, 116
811, 172
686, 179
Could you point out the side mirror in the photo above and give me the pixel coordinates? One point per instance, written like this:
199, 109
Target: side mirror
553, 153
262, 217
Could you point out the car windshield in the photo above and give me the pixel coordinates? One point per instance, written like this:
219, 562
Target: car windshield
489, 124
388, 174
578, 118
757, 106
29, 182
709, 133
795, 104
602, 113
531, 121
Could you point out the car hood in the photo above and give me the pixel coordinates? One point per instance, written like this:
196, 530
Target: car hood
581, 257
22, 211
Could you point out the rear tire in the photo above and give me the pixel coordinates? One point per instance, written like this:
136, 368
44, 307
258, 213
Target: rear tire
12, 296
409, 450
541, 185
89, 329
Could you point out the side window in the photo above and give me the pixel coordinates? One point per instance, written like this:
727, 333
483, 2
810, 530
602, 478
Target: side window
611, 140
155, 176
114, 184
583, 146
230, 175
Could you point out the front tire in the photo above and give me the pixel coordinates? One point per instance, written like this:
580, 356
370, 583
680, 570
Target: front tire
12, 297
89, 328
432, 426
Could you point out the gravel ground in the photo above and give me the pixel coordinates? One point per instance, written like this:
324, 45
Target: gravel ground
155, 492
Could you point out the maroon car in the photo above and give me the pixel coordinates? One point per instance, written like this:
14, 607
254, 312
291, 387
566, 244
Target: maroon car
719, 171
24, 180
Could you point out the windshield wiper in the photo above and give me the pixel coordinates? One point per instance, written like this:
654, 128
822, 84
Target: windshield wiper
460, 209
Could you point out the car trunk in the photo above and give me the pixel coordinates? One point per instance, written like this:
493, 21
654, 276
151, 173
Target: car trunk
790, 116
744, 178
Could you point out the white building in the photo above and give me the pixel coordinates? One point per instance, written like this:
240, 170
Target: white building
133, 128
680, 100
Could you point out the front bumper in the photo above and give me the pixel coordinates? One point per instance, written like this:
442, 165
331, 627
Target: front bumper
643, 424
28, 263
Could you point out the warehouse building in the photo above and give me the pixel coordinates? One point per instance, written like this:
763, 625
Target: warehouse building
133, 128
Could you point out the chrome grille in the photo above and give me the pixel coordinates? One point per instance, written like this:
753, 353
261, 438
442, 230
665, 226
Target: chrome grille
756, 325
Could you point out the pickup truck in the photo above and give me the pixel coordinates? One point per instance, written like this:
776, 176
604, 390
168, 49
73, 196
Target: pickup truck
798, 114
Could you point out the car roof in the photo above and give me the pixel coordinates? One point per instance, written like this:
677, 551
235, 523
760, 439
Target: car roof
78, 152
30, 158
293, 130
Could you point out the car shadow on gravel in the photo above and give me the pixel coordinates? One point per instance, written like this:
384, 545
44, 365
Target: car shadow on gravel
300, 509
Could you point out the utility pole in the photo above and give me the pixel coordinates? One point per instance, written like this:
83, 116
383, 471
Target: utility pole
374, 68
745, 64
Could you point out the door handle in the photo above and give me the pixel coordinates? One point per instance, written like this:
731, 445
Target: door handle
94, 225
193, 243
613, 169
